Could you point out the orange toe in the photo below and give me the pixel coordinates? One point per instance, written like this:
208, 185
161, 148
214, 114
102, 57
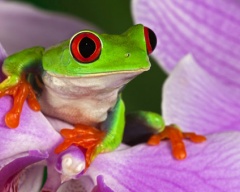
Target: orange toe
81, 136
20, 92
176, 137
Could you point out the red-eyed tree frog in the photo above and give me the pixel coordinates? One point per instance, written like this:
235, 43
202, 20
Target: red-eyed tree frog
81, 80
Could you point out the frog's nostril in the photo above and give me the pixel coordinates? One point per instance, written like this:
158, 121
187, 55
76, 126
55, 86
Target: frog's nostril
127, 55
151, 39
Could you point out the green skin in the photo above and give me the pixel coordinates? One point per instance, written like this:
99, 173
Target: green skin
58, 60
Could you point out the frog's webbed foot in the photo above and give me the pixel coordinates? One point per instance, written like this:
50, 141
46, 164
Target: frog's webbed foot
82, 136
21, 90
176, 137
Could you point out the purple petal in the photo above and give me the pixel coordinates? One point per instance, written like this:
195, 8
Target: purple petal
32, 141
24, 26
206, 29
34, 132
211, 166
198, 102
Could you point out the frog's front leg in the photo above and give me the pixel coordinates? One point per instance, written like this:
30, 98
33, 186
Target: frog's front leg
93, 140
16, 67
114, 128
160, 131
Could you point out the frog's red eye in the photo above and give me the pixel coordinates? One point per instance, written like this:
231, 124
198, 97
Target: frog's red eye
85, 47
151, 39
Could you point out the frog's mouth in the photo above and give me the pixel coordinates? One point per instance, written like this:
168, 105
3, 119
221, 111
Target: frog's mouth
82, 75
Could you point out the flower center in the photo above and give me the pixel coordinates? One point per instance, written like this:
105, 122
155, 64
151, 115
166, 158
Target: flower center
71, 166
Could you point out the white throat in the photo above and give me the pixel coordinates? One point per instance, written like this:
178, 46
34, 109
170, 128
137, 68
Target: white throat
82, 100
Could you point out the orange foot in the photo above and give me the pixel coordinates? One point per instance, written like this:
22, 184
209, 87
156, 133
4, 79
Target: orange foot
176, 138
20, 92
81, 136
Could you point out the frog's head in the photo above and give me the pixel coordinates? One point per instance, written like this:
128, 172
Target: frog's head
88, 53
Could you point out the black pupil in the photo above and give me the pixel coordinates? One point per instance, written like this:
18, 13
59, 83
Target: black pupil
87, 47
152, 38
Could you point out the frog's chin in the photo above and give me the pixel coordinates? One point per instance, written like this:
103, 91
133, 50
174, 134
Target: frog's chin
138, 71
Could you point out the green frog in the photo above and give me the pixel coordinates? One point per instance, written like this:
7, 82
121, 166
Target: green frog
81, 80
